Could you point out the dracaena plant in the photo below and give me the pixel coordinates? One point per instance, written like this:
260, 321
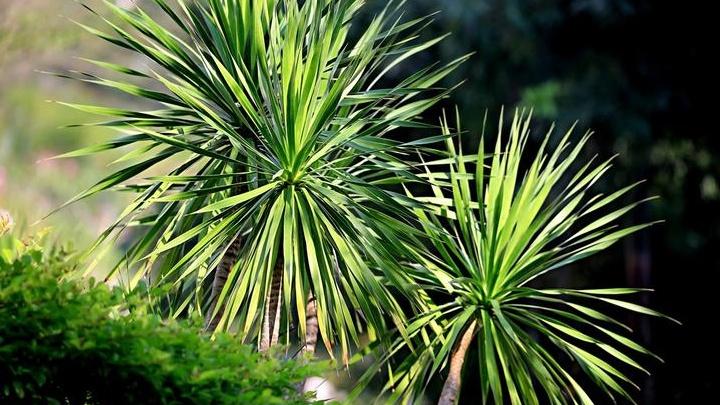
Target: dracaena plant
269, 136
497, 220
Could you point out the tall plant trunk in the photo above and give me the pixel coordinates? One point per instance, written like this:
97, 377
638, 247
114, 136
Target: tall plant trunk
273, 304
451, 389
311, 326
221, 275
222, 272
311, 336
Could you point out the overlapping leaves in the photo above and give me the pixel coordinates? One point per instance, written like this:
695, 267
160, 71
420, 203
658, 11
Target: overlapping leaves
534, 216
273, 127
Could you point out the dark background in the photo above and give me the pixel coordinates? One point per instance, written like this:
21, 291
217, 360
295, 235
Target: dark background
642, 74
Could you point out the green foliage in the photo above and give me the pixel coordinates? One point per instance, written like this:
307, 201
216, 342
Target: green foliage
529, 222
274, 131
65, 341
526, 54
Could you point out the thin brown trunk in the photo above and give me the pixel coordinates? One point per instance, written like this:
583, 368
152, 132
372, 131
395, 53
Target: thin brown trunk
451, 389
273, 304
311, 334
311, 326
221, 275
222, 272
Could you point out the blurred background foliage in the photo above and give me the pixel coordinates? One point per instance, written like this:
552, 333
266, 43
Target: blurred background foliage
36, 35
639, 72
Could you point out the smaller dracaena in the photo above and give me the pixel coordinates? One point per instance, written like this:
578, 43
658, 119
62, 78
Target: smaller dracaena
526, 224
273, 125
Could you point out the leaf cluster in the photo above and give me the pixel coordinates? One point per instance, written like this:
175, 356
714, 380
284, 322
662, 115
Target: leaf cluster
64, 341
497, 220
275, 131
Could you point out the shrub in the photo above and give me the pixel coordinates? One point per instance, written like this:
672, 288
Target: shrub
64, 341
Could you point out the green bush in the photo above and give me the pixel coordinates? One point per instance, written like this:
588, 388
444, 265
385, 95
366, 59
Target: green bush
82, 342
